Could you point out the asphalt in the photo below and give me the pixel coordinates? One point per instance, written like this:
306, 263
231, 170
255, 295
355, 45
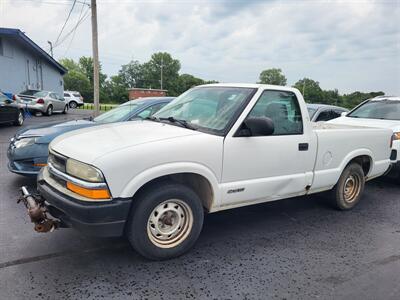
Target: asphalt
298, 248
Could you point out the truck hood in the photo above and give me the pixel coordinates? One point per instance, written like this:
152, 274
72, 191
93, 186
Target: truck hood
89, 144
390, 124
47, 132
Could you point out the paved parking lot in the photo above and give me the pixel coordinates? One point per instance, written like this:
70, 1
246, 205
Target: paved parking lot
293, 249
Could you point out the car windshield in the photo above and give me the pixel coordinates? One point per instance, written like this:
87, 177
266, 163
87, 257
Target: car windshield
211, 109
311, 111
380, 109
3, 98
117, 114
34, 93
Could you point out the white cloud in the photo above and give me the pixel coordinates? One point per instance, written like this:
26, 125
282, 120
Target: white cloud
346, 45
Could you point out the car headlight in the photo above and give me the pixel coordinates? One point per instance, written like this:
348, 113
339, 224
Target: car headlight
83, 171
396, 136
24, 142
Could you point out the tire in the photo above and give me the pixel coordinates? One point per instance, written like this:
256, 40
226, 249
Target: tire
49, 110
73, 104
20, 118
163, 206
348, 191
65, 109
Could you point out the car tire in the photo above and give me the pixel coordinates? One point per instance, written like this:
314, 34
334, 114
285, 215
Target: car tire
65, 109
73, 104
49, 110
20, 118
165, 221
348, 191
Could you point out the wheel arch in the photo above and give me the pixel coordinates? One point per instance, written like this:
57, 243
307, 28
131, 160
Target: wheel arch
361, 156
199, 178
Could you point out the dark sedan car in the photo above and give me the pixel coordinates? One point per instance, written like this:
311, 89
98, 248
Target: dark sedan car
324, 112
28, 149
10, 112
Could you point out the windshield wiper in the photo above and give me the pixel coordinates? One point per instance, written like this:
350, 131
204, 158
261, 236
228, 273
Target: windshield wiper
183, 123
152, 118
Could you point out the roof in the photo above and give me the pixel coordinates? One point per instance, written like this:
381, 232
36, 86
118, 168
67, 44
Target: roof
150, 100
386, 98
26, 41
143, 89
251, 85
318, 106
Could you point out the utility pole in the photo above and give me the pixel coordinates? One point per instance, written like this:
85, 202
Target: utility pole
162, 65
51, 48
95, 46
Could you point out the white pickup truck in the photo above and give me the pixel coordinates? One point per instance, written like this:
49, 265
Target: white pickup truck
215, 147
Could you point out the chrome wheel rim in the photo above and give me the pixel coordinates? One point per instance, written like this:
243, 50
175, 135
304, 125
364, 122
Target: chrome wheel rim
20, 118
72, 105
352, 187
169, 223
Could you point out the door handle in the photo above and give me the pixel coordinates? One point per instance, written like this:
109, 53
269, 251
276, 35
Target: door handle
303, 146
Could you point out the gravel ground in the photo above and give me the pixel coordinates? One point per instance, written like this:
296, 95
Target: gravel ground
293, 249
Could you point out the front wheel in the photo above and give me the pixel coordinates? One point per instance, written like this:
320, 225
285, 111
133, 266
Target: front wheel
165, 221
65, 109
73, 104
348, 191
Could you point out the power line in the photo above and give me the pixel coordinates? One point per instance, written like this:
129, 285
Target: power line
65, 23
73, 35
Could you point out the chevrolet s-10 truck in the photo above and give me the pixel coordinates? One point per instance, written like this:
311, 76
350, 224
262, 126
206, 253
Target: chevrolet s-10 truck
215, 147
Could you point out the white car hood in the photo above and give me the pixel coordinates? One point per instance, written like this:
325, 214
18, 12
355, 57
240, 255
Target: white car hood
390, 124
88, 144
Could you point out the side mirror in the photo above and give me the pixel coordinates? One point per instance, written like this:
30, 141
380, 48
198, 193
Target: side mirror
260, 126
343, 114
8, 101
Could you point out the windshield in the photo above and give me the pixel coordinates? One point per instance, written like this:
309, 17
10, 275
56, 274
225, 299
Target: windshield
208, 108
382, 109
3, 98
34, 93
311, 111
117, 114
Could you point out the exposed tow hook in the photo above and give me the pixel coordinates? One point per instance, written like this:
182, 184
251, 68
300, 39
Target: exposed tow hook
37, 212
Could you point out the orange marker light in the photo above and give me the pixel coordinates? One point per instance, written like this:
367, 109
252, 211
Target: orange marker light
40, 165
89, 193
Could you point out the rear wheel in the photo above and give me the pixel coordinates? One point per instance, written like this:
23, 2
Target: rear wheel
347, 192
73, 104
20, 118
49, 110
165, 221
65, 109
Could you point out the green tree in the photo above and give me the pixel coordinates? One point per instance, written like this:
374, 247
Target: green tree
272, 76
185, 82
355, 98
70, 64
86, 66
170, 70
310, 89
77, 81
114, 90
131, 74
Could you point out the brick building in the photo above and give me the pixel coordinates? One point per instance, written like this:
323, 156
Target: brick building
135, 93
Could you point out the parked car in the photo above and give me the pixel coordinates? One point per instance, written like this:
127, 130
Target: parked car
215, 147
10, 111
28, 149
45, 102
73, 98
380, 112
324, 112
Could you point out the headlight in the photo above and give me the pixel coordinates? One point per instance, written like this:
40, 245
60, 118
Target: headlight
83, 171
24, 142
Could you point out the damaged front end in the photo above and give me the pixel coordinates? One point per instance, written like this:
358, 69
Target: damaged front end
38, 212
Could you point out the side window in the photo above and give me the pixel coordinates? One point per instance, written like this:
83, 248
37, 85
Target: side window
156, 108
66, 95
149, 111
283, 109
53, 96
325, 115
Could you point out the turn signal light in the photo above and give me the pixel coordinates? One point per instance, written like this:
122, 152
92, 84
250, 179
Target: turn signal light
40, 165
40, 101
89, 193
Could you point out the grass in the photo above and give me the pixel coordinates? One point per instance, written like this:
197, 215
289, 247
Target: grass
103, 107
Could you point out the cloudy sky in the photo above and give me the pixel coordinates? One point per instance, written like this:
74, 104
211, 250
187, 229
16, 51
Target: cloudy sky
349, 45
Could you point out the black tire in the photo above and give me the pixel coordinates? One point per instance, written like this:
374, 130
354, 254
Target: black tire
20, 118
73, 104
141, 232
65, 109
49, 110
349, 189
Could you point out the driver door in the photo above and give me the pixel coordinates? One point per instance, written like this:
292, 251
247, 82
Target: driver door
265, 168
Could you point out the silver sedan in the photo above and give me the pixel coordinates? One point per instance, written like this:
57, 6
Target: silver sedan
45, 102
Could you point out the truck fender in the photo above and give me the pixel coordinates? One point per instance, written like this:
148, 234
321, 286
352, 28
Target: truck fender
354, 154
168, 169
